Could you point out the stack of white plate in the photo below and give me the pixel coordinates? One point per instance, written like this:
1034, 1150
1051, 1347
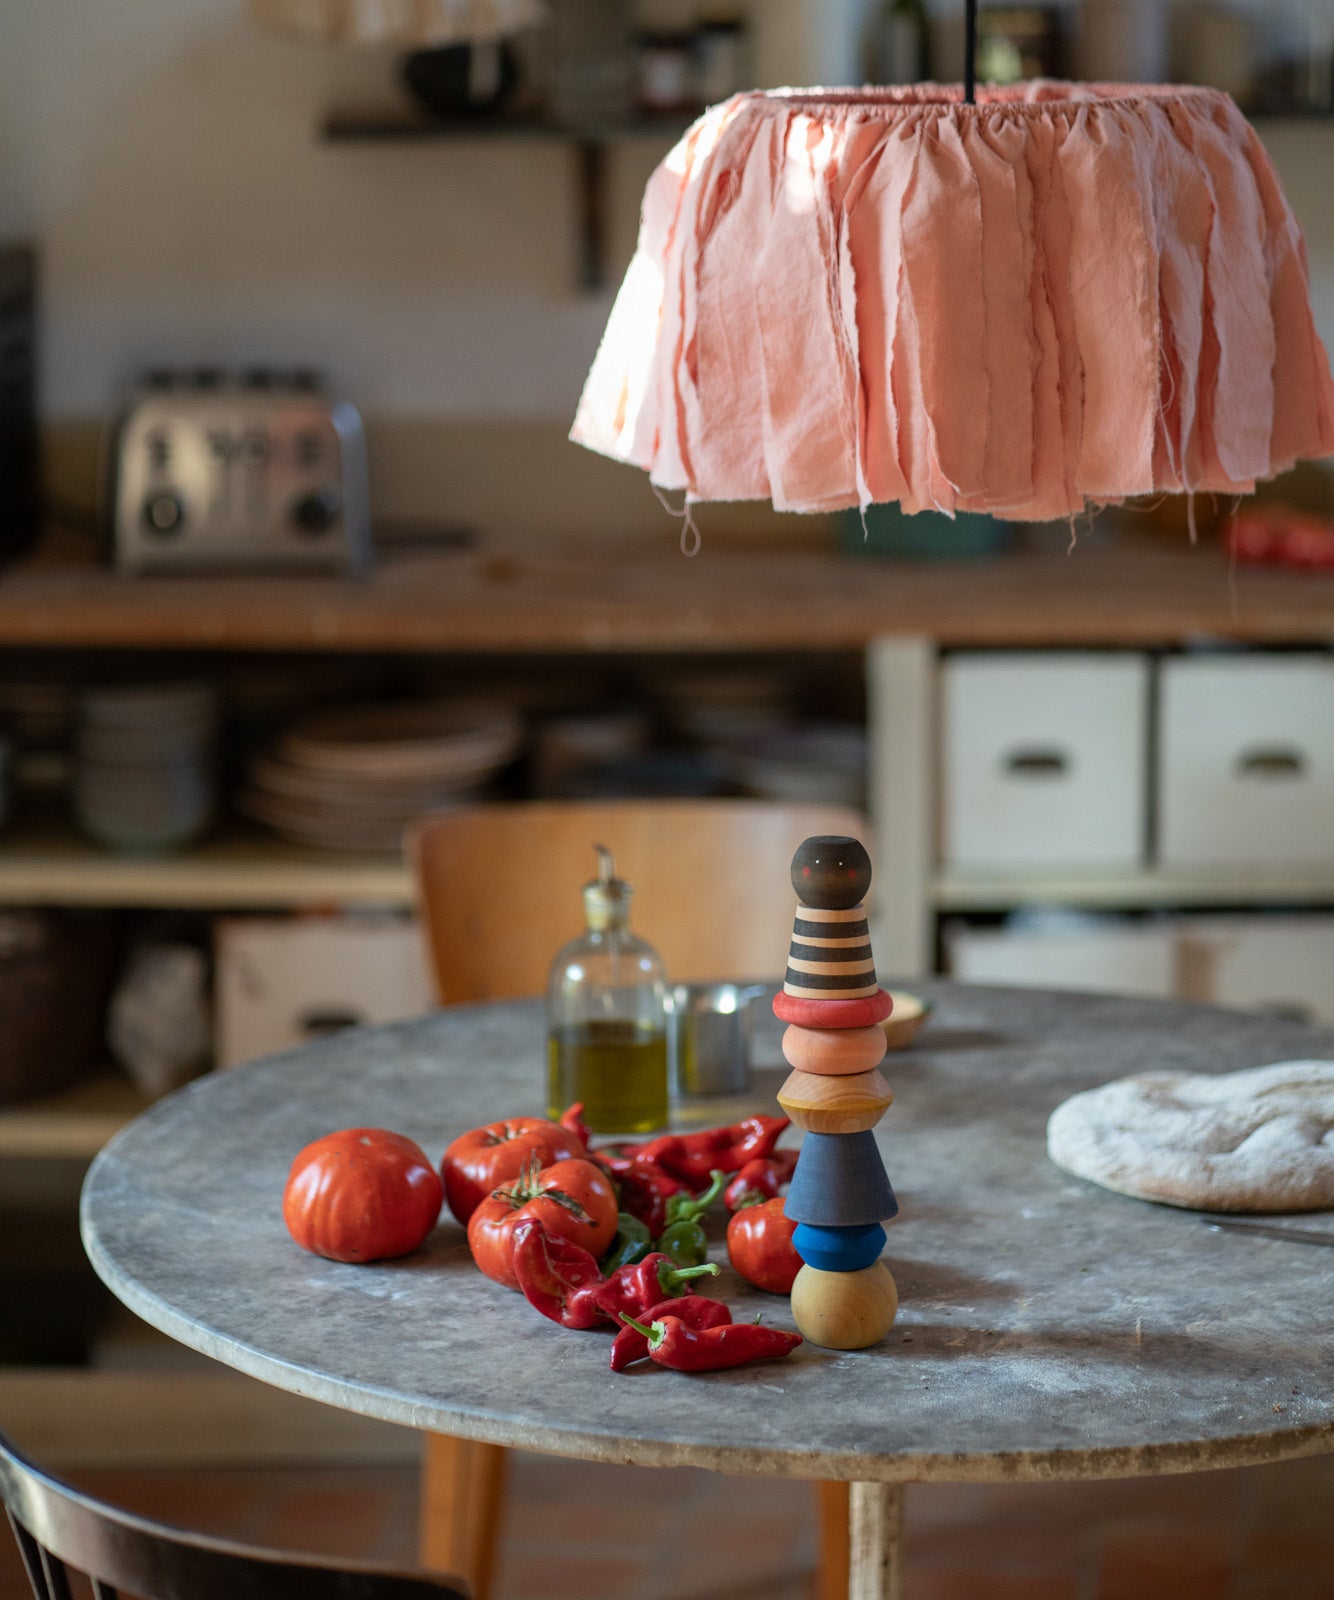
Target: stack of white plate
817, 762
144, 775
353, 778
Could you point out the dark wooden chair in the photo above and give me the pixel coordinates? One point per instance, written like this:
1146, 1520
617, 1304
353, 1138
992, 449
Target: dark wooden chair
60, 1528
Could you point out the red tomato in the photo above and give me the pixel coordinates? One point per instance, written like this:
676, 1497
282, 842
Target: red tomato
361, 1195
1254, 535
759, 1246
485, 1159
573, 1199
1308, 542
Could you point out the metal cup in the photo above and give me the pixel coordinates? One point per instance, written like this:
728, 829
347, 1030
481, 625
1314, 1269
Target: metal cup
708, 1038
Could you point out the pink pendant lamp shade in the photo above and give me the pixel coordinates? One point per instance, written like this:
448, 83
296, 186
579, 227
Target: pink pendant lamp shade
1056, 298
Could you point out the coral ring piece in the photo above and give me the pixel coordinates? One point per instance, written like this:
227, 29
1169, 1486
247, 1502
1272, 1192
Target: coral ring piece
862, 1013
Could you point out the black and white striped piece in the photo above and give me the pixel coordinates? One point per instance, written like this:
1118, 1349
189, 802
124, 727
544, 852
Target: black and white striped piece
830, 956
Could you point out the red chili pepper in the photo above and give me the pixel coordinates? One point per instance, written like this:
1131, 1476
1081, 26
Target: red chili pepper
693, 1156
572, 1120
554, 1274
564, 1282
673, 1343
697, 1310
644, 1190
617, 1158
632, 1290
760, 1179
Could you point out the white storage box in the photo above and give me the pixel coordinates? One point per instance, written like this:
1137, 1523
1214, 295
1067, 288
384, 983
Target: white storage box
1096, 954
280, 981
1044, 761
1262, 962
1246, 761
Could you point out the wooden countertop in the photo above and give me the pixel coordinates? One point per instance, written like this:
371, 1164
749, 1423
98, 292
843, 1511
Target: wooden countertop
647, 597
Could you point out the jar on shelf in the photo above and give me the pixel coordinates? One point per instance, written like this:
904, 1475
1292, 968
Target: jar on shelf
666, 67
607, 1016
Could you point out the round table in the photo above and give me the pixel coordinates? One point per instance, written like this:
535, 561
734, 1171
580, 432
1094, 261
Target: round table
1048, 1328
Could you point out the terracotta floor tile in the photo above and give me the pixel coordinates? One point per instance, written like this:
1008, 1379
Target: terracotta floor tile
609, 1532
1283, 1553
1174, 1563
576, 1577
997, 1547
983, 1583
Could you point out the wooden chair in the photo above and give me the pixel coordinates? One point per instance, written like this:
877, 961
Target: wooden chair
60, 1529
498, 890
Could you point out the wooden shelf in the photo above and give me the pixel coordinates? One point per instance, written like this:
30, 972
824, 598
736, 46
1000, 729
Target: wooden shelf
1149, 889
641, 595
237, 870
83, 1418
75, 1123
362, 127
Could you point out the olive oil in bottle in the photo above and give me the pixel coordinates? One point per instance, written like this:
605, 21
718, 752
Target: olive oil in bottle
606, 1017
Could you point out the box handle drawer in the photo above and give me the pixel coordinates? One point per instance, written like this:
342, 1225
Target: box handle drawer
1271, 763
319, 1024
1038, 762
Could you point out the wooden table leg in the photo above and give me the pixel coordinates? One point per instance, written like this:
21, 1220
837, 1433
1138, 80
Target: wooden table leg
831, 1578
462, 1490
875, 1541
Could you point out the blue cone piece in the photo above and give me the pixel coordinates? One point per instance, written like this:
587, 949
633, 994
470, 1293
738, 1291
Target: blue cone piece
839, 1249
840, 1182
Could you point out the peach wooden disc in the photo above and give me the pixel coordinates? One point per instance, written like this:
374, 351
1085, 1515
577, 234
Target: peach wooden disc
848, 1104
834, 1052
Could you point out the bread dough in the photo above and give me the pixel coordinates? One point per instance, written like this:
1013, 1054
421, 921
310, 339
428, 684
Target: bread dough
1258, 1140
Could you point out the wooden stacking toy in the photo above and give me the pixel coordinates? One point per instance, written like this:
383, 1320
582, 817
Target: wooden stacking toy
844, 1297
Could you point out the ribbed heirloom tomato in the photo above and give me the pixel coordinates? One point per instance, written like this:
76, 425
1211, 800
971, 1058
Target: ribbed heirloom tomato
572, 1199
484, 1159
362, 1194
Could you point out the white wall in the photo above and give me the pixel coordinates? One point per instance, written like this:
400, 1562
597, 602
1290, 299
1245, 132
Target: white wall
164, 155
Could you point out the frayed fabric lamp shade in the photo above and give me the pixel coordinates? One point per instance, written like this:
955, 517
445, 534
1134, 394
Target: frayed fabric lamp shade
1055, 298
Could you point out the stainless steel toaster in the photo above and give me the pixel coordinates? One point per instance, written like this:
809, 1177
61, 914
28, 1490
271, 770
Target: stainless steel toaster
261, 471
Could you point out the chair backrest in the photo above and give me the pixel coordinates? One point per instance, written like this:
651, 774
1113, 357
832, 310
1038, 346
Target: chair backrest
60, 1528
499, 885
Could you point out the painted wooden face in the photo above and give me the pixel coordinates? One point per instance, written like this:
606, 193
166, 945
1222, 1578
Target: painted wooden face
831, 871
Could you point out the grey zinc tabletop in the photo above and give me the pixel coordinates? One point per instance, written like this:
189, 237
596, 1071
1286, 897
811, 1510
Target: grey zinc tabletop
1047, 1328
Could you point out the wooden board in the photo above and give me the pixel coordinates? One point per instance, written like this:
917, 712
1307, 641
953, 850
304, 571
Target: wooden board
956, 890
71, 1419
237, 869
74, 1123
643, 595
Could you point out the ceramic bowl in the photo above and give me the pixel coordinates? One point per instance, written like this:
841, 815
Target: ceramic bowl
907, 1019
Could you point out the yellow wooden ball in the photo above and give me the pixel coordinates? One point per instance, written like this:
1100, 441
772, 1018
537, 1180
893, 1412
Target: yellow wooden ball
845, 1310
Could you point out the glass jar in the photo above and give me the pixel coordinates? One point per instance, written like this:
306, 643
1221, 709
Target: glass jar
607, 1017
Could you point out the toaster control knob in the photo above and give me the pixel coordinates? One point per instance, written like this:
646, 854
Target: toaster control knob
314, 514
163, 514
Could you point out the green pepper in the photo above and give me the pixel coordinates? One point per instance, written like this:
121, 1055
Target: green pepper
686, 1207
632, 1242
684, 1239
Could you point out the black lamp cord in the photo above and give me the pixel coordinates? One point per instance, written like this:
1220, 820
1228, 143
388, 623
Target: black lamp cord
970, 53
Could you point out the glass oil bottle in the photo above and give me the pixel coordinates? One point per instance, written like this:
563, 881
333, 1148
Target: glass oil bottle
606, 1017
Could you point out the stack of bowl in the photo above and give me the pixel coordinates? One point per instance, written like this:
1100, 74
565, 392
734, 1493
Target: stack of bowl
806, 762
145, 757
352, 779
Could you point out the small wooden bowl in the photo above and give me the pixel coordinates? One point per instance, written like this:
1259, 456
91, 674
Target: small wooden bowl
907, 1019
